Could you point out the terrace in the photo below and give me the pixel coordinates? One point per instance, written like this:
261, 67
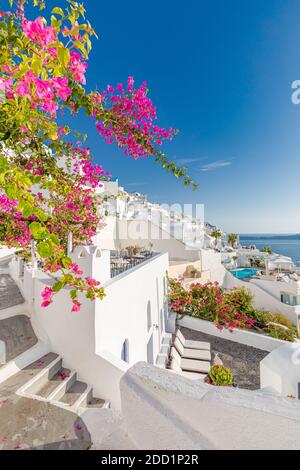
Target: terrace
122, 261
243, 361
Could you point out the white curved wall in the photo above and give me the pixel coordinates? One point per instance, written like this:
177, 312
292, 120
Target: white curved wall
163, 410
262, 299
280, 370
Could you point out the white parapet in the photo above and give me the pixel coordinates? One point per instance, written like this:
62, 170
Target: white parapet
166, 411
93, 261
280, 370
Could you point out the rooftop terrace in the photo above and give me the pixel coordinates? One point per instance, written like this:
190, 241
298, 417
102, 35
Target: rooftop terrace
241, 359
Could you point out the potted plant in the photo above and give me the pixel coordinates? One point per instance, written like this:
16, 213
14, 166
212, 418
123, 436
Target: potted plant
220, 376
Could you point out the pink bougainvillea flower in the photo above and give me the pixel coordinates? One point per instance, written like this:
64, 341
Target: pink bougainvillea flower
77, 67
75, 268
38, 32
92, 282
47, 297
63, 375
76, 306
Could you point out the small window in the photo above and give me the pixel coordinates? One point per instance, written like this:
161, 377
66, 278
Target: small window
125, 351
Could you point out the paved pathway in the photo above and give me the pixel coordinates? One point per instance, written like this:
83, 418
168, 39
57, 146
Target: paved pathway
34, 424
10, 294
17, 334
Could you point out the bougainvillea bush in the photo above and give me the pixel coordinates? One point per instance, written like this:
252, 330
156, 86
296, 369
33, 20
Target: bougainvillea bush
210, 302
47, 174
228, 309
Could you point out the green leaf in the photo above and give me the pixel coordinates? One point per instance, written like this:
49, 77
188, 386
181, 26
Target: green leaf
36, 64
66, 262
38, 231
58, 11
63, 55
81, 47
45, 249
57, 286
54, 239
11, 190
73, 294
40, 215
27, 210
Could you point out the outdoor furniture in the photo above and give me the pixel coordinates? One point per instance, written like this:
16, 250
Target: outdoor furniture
190, 344
190, 365
186, 353
175, 367
120, 264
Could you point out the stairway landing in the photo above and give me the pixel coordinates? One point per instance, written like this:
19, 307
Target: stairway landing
34, 424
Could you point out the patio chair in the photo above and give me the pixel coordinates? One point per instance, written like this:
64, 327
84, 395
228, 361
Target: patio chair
175, 367
187, 353
191, 344
190, 365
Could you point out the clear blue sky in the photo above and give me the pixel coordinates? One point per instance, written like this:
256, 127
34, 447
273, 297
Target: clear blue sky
221, 72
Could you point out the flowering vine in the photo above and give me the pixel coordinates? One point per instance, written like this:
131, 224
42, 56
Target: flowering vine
227, 309
48, 182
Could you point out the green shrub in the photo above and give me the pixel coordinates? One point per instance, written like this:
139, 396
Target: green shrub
280, 333
282, 320
221, 376
261, 316
241, 299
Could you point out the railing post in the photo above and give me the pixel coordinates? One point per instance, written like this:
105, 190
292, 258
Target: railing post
70, 243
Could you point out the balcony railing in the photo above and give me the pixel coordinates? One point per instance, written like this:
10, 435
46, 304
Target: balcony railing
120, 264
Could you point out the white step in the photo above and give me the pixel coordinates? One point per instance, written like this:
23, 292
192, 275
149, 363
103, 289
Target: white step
198, 354
190, 344
67, 392
192, 365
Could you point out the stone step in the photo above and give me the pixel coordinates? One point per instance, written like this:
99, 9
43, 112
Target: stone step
201, 345
196, 354
191, 365
16, 336
74, 393
59, 386
95, 402
10, 294
53, 383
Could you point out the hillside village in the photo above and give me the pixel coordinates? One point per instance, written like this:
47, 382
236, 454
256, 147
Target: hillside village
90, 379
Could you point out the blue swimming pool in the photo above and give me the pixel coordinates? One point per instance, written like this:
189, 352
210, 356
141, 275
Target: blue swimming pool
243, 273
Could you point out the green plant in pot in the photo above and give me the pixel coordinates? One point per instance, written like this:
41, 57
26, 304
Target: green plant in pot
221, 376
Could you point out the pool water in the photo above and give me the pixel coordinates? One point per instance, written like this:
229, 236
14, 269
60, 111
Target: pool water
243, 273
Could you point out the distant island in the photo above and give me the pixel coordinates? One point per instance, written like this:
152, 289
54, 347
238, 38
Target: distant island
269, 237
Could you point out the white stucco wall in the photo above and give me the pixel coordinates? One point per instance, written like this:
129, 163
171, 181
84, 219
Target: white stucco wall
142, 232
105, 238
265, 343
276, 288
280, 370
262, 299
211, 261
166, 411
123, 314
90, 341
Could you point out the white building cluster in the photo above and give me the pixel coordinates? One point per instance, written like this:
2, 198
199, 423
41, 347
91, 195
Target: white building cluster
120, 346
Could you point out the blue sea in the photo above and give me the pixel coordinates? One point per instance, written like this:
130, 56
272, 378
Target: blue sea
287, 245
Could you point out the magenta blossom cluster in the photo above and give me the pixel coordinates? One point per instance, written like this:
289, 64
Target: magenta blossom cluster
132, 120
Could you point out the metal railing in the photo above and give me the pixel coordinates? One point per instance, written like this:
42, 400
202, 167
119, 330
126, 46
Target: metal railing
121, 264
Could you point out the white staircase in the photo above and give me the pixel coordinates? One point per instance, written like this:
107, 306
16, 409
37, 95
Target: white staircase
60, 387
162, 357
